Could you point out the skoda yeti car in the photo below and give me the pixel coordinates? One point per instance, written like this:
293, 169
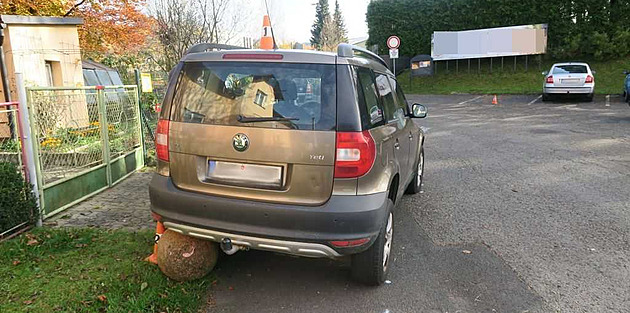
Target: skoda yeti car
297, 152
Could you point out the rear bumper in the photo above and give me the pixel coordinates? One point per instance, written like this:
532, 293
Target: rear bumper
292, 229
568, 90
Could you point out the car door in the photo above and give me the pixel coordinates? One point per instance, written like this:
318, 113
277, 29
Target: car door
395, 118
411, 130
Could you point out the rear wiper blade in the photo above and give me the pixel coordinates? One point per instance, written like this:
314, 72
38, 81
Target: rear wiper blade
245, 119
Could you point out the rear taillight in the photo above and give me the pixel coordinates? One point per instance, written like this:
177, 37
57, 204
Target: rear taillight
356, 152
161, 140
589, 79
550, 80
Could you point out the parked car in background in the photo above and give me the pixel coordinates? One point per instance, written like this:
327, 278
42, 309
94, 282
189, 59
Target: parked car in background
304, 153
569, 79
626, 87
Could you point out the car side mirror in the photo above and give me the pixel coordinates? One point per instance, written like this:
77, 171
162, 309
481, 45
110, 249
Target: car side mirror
545, 72
418, 111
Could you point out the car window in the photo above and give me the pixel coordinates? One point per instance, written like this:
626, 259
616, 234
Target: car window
368, 98
570, 69
392, 111
400, 95
221, 93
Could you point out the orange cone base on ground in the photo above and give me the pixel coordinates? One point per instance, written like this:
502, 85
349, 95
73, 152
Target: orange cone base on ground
159, 230
495, 100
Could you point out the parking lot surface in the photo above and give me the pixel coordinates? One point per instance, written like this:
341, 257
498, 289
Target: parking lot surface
536, 192
526, 208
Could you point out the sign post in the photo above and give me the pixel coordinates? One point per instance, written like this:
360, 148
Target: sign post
393, 42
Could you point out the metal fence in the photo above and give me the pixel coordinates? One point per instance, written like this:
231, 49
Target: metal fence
10, 148
87, 139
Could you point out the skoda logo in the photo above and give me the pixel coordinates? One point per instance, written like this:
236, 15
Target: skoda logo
240, 142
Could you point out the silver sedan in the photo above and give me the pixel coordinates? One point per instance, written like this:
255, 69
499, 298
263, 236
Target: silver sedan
569, 79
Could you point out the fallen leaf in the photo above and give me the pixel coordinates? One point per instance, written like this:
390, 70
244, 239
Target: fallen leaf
102, 298
466, 251
162, 295
144, 286
231, 288
27, 302
81, 245
32, 242
514, 190
16, 262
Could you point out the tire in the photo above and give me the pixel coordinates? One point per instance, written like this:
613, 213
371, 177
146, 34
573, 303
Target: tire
416, 183
372, 265
545, 97
626, 96
589, 98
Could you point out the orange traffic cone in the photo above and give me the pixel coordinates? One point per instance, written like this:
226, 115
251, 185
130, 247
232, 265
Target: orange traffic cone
495, 101
266, 42
159, 230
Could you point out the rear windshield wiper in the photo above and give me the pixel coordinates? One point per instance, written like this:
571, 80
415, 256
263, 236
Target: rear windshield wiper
245, 119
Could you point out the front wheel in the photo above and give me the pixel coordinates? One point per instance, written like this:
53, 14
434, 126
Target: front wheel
371, 266
416, 183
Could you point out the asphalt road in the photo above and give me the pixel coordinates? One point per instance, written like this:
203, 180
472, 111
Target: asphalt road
539, 193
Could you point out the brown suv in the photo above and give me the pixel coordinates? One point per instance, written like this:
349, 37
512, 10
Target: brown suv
298, 152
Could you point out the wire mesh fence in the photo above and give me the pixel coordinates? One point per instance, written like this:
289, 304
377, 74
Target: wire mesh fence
78, 129
10, 149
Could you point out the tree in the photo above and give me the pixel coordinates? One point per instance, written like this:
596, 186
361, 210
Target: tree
181, 24
328, 36
321, 13
341, 34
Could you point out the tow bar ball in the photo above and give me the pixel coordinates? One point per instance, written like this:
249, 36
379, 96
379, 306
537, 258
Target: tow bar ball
184, 258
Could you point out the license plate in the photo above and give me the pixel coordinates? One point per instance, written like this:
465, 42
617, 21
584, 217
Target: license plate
570, 81
244, 174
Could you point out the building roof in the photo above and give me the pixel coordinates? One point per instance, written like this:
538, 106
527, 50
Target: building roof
92, 65
39, 20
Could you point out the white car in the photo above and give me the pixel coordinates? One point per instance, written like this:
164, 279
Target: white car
569, 79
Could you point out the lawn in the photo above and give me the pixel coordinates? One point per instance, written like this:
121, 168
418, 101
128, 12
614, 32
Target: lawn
89, 270
608, 79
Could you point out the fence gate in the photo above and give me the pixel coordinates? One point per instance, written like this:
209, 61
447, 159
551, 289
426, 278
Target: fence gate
85, 140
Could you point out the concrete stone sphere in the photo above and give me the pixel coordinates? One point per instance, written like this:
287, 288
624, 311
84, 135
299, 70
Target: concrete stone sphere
184, 258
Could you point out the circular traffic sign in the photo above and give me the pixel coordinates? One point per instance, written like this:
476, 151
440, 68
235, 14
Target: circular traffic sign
393, 42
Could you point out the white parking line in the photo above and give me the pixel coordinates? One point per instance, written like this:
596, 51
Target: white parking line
607, 100
532, 102
470, 100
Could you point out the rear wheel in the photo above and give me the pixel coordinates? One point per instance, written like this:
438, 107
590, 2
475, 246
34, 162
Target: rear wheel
589, 98
546, 97
371, 266
626, 96
416, 183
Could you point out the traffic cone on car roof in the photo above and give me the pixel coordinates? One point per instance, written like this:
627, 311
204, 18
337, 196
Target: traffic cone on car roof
159, 230
495, 100
266, 41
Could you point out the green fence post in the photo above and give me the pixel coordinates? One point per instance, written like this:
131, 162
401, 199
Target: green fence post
35, 145
102, 116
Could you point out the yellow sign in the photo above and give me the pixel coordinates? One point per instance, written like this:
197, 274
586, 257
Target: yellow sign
145, 80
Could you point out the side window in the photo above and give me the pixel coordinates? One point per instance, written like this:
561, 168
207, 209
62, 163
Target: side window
400, 96
372, 114
392, 111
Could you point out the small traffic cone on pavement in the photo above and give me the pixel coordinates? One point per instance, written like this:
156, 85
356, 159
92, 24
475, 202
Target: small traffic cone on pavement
495, 101
159, 230
266, 41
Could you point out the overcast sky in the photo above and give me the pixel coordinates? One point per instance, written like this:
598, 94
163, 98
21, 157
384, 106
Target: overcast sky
292, 19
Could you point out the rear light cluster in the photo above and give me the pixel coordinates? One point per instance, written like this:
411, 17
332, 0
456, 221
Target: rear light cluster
589, 79
161, 140
550, 80
356, 153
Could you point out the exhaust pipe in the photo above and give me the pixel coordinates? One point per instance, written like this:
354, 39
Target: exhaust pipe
228, 247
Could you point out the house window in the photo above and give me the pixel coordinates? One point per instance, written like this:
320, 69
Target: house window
53, 74
260, 99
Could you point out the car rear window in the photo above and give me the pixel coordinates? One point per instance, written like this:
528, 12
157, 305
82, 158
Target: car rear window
219, 92
570, 69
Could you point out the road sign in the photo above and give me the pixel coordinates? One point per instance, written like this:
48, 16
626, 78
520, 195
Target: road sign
393, 42
393, 53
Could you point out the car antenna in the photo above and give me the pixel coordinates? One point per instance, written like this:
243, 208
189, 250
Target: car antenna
275, 46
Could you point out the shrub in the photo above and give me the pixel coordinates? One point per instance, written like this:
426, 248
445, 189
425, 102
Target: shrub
17, 202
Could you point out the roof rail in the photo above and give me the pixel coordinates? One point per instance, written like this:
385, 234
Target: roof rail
203, 47
347, 51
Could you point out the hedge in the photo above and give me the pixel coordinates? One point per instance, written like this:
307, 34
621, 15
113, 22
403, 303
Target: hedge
577, 28
17, 202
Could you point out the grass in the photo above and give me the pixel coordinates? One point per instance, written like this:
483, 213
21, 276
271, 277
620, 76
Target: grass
89, 270
608, 79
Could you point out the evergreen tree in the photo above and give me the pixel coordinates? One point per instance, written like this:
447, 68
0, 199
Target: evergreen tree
321, 13
341, 34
